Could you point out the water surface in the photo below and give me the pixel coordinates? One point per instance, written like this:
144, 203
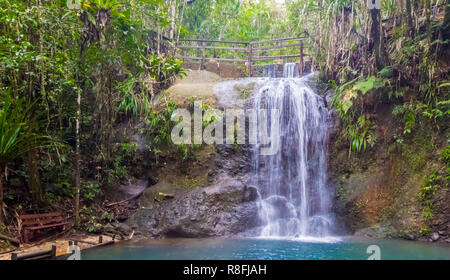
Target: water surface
267, 249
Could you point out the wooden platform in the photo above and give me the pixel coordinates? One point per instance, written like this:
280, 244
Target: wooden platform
249, 53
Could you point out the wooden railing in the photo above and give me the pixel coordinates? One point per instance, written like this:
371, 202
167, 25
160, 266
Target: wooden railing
250, 53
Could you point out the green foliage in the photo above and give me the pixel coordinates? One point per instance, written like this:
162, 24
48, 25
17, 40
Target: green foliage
132, 101
245, 92
161, 126
369, 84
361, 134
183, 150
445, 155
408, 114
17, 135
119, 170
427, 211
108, 52
129, 148
90, 190
107, 216
424, 231
231, 20
437, 111
360, 131
430, 185
164, 68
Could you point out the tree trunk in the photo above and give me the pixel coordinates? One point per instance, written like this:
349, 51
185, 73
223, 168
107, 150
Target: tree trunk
428, 19
77, 162
173, 25
446, 23
408, 17
376, 43
34, 183
181, 22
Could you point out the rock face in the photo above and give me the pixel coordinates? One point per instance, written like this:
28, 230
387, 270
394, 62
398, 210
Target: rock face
378, 191
227, 208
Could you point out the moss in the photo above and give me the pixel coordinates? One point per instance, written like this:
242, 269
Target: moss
342, 193
244, 90
445, 156
388, 214
424, 231
415, 160
190, 182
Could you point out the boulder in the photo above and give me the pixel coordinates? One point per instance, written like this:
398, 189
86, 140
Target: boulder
435, 236
219, 210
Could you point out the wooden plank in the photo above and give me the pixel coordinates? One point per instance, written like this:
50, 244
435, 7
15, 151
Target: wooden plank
212, 47
264, 58
277, 47
300, 63
202, 65
33, 216
10, 239
213, 58
249, 66
46, 226
42, 221
82, 241
276, 40
50, 253
215, 41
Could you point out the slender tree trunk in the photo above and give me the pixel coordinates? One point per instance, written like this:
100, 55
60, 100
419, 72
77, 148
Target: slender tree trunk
34, 183
428, 19
408, 17
181, 22
446, 23
376, 38
173, 25
77, 162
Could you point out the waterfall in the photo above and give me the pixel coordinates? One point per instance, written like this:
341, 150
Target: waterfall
294, 196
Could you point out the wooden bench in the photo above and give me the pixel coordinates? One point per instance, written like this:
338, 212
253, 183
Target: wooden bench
34, 223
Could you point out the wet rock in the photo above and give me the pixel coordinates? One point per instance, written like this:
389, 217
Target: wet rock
163, 196
250, 194
410, 236
211, 175
109, 228
123, 228
435, 236
220, 210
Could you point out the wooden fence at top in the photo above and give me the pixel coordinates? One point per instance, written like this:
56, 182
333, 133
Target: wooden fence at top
253, 52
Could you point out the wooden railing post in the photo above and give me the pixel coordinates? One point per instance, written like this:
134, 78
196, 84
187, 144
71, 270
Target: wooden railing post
300, 62
203, 55
53, 251
250, 55
281, 50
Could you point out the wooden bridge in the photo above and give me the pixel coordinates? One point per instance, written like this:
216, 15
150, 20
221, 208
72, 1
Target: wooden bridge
253, 54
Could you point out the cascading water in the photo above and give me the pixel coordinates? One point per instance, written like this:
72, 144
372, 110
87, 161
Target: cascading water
294, 198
